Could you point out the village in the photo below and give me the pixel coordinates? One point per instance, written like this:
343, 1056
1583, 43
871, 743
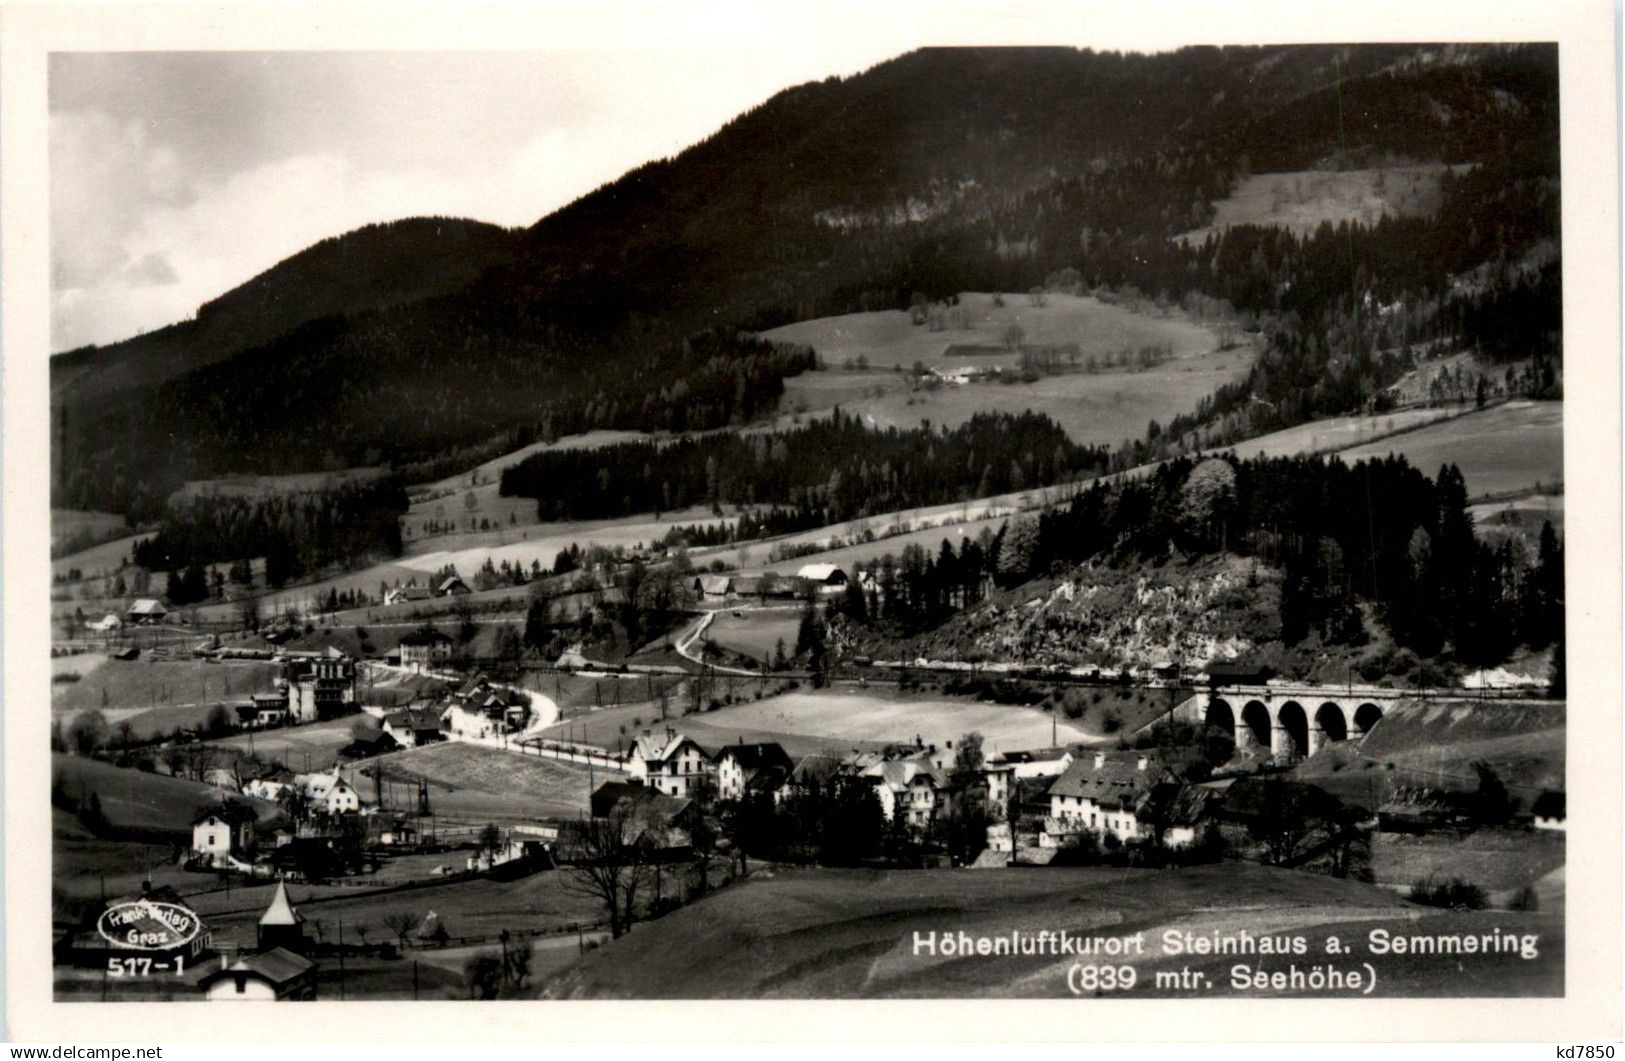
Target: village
1197, 783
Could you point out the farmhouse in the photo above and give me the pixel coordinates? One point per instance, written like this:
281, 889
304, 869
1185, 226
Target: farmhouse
825, 579
274, 976
452, 586
812, 775
106, 624
223, 832
713, 588
423, 649
146, 612
413, 728
403, 594
1177, 811
756, 767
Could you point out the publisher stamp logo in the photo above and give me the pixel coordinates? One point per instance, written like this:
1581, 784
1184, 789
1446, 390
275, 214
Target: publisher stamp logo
147, 925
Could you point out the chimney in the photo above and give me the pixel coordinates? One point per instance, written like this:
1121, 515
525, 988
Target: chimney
1140, 763
1100, 760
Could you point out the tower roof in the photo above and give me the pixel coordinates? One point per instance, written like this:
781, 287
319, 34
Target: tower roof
280, 912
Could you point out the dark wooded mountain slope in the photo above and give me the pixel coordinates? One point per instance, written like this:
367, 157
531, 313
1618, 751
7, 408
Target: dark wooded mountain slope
369, 268
942, 170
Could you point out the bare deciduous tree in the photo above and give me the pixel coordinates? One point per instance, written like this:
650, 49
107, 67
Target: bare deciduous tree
611, 863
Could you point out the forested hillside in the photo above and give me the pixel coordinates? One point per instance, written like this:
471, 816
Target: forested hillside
940, 171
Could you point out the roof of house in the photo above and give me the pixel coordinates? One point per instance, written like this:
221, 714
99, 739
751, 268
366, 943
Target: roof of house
415, 719
270, 699
1118, 781
714, 584
147, 606
607, 796
756, 756
279, 966
412, 593
280, 912
1035, 755
1550, 804
450, 581
820, 572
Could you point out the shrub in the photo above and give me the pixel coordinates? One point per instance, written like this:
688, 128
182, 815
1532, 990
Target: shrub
1452, 894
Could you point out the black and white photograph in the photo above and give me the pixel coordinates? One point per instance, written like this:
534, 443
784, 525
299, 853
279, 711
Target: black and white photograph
977, 520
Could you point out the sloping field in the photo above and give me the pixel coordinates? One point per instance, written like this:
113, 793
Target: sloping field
98, 560
1435, 744
73, 528
1499, 450
491, 470
851, 933
303, 748
756, 632
478, 784
1101, 407
122, 689
1302, 200
882, 717
529, 541
1495, 860
887, 338
130, 799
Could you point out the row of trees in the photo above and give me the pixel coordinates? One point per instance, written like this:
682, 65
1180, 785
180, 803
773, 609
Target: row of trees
297, 533
860, 470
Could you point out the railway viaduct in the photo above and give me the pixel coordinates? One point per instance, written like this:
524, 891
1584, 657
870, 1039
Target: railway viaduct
1292, 721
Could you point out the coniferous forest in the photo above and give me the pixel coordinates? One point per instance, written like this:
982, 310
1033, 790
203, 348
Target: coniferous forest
1379, 537
859, 470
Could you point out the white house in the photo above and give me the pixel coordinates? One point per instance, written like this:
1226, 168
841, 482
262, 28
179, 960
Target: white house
424, 649
329, 792
106, 624
1099, 793
270, 786
272, 976
826, 579
404, 594
678, 768
147, 612
223, 832
414, 727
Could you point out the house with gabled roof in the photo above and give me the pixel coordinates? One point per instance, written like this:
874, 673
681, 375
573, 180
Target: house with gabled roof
677, 766
147, 612
1100, 792
271, 976
825, 579
413, 727
224, 831
751, 766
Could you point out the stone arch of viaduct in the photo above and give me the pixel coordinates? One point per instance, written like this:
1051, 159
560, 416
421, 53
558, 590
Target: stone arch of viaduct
1292, 722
